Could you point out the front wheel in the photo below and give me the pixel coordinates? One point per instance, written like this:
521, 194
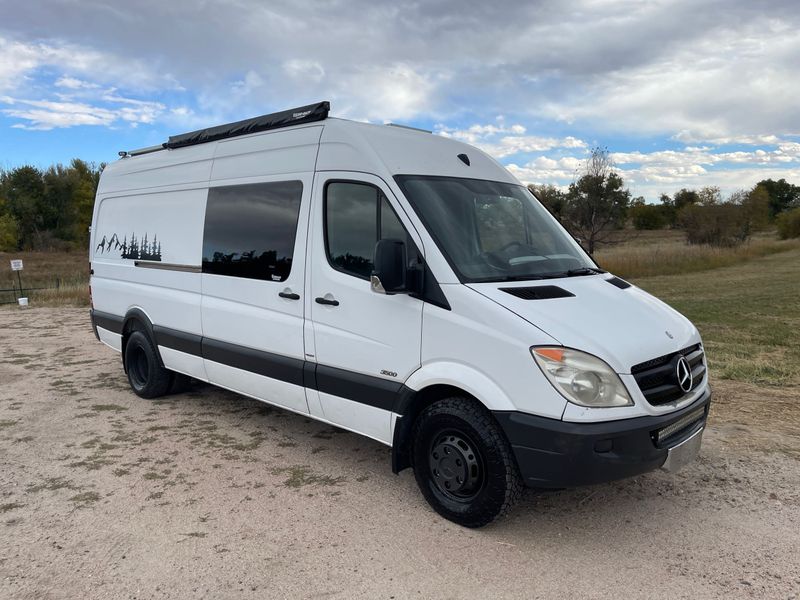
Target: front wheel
463, 463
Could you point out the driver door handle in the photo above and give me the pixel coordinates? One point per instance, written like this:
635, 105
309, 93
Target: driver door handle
327, 301
289, 295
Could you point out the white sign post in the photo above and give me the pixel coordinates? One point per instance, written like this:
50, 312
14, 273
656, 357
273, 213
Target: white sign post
16, 265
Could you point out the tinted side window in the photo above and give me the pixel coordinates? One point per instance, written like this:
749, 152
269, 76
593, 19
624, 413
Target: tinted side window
357, 215
250, 230
351, 222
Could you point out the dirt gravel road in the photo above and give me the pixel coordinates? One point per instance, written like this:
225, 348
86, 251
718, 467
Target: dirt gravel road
207, 494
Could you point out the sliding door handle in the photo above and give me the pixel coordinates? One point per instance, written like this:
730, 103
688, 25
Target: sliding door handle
289, 295
327, 301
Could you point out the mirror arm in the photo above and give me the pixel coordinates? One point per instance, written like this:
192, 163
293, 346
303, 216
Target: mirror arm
376, 285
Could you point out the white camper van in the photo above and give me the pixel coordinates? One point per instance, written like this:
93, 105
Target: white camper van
397, 284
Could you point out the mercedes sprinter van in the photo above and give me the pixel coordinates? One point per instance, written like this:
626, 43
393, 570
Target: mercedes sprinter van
397, 284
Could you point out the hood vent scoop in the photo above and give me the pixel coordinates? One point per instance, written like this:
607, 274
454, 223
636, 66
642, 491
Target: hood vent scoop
538, 292
620, 283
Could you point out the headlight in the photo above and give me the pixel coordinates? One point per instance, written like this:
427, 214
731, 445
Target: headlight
581, 378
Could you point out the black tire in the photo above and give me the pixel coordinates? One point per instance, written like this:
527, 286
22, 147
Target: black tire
463, 463
146, 376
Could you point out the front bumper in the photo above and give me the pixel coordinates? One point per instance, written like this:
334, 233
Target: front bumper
559, 454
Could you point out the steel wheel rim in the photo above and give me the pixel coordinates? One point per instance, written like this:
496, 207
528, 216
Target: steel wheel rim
456, 468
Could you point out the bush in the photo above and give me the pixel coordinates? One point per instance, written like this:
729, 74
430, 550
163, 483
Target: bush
649, 216
716, 224
788, 224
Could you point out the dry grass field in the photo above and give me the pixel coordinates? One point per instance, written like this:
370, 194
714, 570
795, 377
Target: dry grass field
651, 253
66, 273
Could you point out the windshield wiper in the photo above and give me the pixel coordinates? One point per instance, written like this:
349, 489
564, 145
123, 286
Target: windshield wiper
539, 276
515, 278
559, 274
584, 271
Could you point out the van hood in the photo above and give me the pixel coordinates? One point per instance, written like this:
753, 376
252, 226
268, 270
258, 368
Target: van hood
624, 327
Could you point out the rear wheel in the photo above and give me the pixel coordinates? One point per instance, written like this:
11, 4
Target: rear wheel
463, 463
146, 376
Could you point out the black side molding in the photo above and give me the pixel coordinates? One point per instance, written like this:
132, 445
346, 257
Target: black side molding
275, 366
365, 389
112, 323
94, 324
189, 343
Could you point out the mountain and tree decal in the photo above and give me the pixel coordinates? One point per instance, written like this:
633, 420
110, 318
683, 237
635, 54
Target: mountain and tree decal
136, 249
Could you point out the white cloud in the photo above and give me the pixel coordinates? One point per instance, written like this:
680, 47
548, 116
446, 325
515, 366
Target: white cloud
503, 141
81, 67
666, 171
395, 92
730, 85
73, 83
46, 114
304, 70
16, 60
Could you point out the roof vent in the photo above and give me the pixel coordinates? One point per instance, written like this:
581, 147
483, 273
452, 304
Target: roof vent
464, 158
538, 292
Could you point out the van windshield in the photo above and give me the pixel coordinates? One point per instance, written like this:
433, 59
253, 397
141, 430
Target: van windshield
491, 231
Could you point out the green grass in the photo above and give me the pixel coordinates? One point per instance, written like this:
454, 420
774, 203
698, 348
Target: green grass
748, 315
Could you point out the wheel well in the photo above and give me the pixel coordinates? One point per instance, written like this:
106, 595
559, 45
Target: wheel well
136, 320
415, 403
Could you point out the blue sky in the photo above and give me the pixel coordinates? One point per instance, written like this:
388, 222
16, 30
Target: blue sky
683, 93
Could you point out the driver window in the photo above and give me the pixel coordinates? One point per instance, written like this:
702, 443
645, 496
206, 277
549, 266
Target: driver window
357, 215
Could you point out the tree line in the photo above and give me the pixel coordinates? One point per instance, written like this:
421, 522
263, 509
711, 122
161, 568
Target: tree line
47, 209
597, 207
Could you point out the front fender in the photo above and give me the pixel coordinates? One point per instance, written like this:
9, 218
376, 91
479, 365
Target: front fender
464, 377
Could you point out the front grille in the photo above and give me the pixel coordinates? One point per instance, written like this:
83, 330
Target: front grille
658, 380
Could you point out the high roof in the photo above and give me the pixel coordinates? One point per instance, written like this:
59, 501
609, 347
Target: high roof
235, 151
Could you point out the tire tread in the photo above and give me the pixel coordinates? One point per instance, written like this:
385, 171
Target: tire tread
478, 417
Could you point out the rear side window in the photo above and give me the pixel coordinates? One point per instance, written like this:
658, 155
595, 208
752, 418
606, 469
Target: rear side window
250, 230
357, 215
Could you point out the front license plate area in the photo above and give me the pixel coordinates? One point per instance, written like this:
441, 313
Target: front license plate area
681, 455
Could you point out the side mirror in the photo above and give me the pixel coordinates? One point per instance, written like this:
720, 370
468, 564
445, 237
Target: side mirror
389, 276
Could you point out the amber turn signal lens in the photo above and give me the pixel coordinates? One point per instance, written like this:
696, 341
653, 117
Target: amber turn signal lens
556, 354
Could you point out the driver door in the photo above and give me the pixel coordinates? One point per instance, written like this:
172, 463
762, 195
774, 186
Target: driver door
365, 344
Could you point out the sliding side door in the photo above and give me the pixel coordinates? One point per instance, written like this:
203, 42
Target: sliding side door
253, 272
